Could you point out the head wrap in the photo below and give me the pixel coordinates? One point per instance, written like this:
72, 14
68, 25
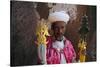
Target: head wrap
58, 16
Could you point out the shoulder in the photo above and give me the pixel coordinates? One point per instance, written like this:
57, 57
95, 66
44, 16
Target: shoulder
49, 38
67, 43
49, 41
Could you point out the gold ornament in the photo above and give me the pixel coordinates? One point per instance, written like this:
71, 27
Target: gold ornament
42, 32
82, 50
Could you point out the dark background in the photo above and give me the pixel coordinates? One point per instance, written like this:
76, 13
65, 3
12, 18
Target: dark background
22, 32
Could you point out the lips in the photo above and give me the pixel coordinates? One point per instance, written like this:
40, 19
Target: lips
59, 37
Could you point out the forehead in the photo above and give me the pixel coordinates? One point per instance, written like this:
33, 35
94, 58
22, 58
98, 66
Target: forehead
59, 23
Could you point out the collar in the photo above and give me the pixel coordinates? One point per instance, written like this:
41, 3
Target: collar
53, 38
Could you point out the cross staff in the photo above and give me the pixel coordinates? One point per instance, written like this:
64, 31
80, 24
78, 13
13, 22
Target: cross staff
82, 42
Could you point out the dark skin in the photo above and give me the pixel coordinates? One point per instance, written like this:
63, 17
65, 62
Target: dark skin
58, 29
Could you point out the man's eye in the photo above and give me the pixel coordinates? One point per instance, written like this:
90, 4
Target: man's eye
56, 28
62, 27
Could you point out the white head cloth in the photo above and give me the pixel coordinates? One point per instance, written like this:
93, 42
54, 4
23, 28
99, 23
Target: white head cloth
58, 16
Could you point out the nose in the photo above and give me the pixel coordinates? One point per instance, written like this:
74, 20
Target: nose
60, 30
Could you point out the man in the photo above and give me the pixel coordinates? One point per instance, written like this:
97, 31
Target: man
59, 49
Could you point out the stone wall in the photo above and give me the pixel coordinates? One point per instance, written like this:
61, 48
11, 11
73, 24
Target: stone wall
23, 23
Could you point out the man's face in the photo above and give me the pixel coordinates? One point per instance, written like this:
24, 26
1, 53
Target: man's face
58, 28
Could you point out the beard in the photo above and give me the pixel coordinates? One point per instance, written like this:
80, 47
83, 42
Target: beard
59, 37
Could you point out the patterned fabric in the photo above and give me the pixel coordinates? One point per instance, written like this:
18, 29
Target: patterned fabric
54, 57
59, 45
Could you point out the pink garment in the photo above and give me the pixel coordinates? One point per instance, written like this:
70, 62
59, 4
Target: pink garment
53, 57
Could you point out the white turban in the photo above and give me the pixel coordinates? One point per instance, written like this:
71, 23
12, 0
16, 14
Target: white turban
58, 16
